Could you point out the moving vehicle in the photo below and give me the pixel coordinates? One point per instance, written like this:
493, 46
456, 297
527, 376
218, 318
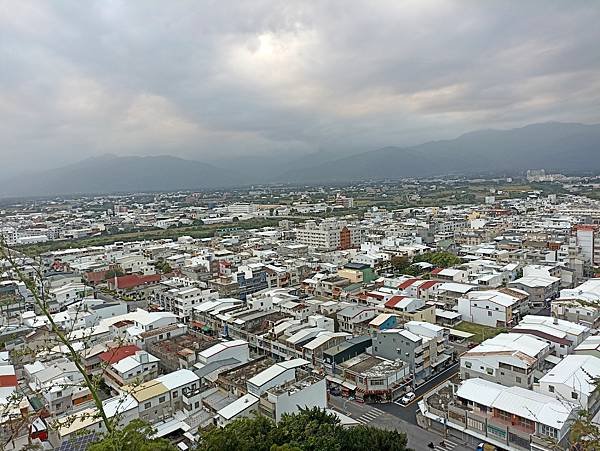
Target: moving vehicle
408, 398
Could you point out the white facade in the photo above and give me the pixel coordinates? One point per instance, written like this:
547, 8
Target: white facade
489, 308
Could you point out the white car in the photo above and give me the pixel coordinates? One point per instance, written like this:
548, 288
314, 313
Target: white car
408, 398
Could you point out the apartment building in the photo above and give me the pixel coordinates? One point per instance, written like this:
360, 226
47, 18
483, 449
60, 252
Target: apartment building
508, 359
60, 383
573, 379
410, 309
139, 367
355, 318
160, 398
579, 304
329, 235
495, 308
421, 345
563, 336
512, 418
182, 300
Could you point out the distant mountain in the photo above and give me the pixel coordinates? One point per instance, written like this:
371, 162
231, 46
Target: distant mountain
110, 174
567, 147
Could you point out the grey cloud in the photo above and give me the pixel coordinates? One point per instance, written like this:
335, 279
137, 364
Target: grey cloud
217, 80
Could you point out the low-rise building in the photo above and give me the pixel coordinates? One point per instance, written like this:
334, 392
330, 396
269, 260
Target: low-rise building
508, 359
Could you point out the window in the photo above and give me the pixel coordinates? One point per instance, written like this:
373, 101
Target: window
147, 405
551, 388
468, 364
503, 415
574, 395
518, 379
549, 431
162, 399
175, 394
489, 313
489, 371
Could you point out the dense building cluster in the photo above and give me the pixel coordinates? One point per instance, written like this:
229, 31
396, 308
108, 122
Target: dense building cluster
485, 313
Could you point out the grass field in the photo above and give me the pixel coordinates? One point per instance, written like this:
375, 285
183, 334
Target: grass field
480, 332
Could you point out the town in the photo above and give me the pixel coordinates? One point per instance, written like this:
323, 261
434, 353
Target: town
461, 312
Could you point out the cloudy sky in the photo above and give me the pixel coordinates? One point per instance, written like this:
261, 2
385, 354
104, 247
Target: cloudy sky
221, 79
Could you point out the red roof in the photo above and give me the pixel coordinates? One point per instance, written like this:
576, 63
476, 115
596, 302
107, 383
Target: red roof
587, 227
134, 280
407, 283
427, 285
437, 270
117, 354
9, 380
394, 300
96, 276
375, 295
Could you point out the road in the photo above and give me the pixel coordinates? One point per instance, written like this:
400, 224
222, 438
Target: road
407, 413
374, 415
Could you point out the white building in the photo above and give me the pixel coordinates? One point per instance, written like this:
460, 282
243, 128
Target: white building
329, 235
573, 380
490, 308
508, 359
563, 336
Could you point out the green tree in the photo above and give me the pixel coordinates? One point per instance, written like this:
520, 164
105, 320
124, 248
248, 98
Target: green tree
441, 259
116, 272
400, 263
243, 434
308, 430
133, 437
365, 437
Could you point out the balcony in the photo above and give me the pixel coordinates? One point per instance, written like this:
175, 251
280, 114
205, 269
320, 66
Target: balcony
509, 432
189, 396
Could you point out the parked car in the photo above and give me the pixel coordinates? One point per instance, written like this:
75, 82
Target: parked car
408, 398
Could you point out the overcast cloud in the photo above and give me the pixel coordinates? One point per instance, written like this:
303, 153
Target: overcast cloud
220, 79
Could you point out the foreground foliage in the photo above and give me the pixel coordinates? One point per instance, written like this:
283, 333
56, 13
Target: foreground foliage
133, 437
309, 430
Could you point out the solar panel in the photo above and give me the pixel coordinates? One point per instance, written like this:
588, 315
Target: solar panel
79, 443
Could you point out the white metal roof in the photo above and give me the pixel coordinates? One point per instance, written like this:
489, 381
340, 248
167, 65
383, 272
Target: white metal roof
221, 347
238, 406
178, 379
519, 401
575, 371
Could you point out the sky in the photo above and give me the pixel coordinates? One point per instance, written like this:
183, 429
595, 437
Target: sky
222, 80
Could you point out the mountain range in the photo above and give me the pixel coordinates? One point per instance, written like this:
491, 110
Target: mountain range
563, 147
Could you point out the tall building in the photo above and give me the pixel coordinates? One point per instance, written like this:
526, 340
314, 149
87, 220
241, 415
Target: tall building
329, 235
588, 238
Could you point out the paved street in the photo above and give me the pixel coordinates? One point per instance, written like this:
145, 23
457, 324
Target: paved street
376, 415
407, 413
402, 418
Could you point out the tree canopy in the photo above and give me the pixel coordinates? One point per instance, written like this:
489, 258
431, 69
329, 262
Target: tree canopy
308, 430
133, 437
440, 259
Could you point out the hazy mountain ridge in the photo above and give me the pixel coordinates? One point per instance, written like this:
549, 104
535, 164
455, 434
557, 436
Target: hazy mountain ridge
569, 147
554, 146
110, 174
